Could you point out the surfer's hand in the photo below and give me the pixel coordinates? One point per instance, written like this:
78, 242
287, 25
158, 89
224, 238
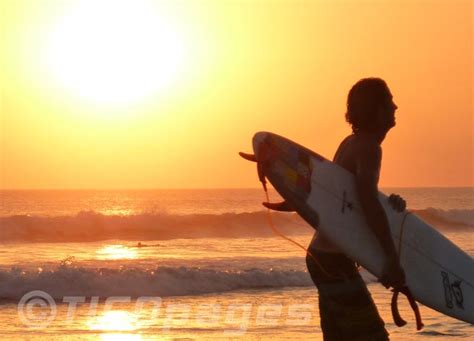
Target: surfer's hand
397, 202
393, 275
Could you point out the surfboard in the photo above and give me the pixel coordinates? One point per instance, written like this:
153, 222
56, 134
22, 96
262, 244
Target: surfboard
438, 273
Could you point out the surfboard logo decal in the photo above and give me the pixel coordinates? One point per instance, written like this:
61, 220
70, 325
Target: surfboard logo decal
457, 292
452, 292
297, 175
287, 162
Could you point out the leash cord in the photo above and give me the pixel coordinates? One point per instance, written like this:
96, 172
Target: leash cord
405, 290
278, 233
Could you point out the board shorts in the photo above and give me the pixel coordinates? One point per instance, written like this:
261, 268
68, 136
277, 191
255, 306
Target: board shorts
346, 307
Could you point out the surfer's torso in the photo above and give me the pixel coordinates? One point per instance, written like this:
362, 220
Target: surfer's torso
347, 156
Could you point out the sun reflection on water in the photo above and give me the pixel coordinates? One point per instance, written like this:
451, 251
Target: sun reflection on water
117, 320
117, 212
114, 252
120, 337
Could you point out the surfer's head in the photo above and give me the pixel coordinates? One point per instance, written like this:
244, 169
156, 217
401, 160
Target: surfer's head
370, 106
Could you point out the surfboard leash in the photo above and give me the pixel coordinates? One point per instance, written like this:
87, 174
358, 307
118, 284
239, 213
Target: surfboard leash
261, 177
399, 321
402, 229
278, 233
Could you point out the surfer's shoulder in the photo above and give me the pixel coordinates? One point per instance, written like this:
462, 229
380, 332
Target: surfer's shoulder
367, 145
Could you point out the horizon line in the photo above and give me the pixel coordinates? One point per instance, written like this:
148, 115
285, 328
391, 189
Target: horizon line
194, 188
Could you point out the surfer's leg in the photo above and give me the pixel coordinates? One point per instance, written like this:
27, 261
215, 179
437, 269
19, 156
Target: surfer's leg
345, 305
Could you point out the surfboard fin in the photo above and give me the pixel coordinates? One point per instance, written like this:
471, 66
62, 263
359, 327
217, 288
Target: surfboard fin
279, 206
261, 175
249, 157
399, 321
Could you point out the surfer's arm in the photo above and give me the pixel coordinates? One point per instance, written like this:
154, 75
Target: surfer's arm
375, 216
367, 175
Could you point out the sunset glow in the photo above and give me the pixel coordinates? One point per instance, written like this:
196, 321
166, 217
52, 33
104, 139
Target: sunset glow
140, 94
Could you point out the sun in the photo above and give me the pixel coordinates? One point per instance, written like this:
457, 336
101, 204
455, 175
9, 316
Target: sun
114, 52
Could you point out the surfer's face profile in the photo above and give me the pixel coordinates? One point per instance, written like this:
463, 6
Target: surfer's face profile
386, 114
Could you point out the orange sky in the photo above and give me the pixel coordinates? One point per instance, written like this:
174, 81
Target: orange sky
164, 94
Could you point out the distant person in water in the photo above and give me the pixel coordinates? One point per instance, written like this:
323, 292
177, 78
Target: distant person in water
140, 244
346, 307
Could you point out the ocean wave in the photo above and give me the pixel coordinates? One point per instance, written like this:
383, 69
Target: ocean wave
68, 280
93, 226
447, 218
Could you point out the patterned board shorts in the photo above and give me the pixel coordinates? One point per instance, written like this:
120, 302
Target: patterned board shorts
346, 307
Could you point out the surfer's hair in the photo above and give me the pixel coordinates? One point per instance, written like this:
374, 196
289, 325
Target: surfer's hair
363, 102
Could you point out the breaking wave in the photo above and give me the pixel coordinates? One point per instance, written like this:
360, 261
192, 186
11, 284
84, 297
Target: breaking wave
447, 218
92, 226
163, 281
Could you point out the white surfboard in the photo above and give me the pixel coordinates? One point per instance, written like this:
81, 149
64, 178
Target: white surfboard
438, 273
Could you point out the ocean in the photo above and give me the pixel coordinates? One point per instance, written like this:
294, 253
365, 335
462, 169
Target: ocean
182, 264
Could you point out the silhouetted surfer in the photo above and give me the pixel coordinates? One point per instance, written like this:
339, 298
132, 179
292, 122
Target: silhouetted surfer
346, 307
